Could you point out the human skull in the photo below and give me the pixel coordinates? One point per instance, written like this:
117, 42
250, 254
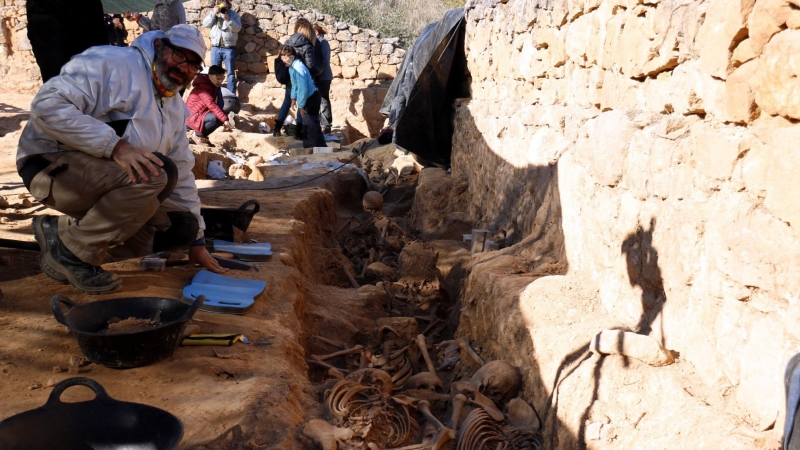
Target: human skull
498, 380
372, 201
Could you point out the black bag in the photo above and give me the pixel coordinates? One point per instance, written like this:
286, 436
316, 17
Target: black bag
282, 72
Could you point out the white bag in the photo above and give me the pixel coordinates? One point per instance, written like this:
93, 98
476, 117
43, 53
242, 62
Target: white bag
216, 170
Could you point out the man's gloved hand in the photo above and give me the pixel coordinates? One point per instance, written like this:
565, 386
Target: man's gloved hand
198, 254
136, 161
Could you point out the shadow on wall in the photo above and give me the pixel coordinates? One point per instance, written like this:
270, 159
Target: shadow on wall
643, 271
498, 190
526, 200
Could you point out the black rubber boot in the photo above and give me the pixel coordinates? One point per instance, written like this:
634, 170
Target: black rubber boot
277, 131
45, 230
61, 264
298, 132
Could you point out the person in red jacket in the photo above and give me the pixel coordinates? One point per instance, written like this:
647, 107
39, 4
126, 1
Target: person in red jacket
205, 105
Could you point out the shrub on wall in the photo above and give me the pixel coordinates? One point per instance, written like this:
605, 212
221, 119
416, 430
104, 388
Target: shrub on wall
404, 19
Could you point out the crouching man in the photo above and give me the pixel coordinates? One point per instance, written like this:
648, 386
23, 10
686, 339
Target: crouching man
106, 146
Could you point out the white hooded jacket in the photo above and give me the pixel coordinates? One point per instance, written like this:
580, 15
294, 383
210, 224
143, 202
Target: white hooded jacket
105, 84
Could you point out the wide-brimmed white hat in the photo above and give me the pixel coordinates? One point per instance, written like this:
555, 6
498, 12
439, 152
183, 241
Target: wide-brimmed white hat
188, 37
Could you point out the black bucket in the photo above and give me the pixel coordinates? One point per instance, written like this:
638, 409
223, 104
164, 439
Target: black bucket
125, 350
220, 221
101, 423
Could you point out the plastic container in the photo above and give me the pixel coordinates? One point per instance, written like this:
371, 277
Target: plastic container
154, 264
220, 221
479, 237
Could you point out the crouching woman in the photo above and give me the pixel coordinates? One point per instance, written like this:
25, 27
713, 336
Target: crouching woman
205, 104
306, 96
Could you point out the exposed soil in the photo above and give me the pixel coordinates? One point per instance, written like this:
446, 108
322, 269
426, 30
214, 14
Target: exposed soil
129, 325
333, 318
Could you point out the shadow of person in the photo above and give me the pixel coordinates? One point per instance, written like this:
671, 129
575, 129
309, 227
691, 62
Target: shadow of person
643, 271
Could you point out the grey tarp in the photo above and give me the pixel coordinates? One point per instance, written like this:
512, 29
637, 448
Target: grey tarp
122, 6
420, 100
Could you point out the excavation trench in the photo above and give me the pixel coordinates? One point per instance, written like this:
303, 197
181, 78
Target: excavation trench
385, 368
262, 396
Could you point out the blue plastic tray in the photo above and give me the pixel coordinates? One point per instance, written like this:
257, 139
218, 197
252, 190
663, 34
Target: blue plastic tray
223, 294
246, 252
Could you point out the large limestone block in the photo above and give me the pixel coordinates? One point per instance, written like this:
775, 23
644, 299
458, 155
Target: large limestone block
778, 69
366, 71
349, 72
387, 72
606, 146
363, 47
694, 91
782, 184
767, 19
582, 44
650, 40
724, 26
618, 91
348, 59
344, 36
257, 67
716, 151
762, 359
744, 52
741, 104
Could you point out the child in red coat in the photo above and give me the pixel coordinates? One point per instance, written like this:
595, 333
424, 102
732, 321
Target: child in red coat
205, 105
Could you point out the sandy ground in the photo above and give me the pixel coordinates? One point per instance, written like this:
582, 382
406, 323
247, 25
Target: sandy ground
227, 397
13, 116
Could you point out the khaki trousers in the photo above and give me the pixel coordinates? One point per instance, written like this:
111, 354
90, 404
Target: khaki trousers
106, 217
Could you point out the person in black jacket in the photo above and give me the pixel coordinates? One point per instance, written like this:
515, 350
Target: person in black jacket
59, 30
322, 60
302, 41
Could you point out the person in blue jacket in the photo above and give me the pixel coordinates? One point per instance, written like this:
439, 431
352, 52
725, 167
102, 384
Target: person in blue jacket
306, 96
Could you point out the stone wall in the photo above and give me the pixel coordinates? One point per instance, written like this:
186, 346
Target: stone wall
664, 132
355, 52
17, 64
363, 62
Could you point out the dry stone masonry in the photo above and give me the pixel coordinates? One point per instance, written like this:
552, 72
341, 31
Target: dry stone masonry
355, 52
649, 147
363, 62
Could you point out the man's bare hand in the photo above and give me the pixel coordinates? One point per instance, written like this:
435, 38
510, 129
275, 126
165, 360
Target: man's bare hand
198, 254
302, 112
137, 162
227, 126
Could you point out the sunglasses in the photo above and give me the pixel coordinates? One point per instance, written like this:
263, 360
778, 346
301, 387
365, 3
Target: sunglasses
180, 58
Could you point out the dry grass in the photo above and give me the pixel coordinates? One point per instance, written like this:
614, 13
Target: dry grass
404, 19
